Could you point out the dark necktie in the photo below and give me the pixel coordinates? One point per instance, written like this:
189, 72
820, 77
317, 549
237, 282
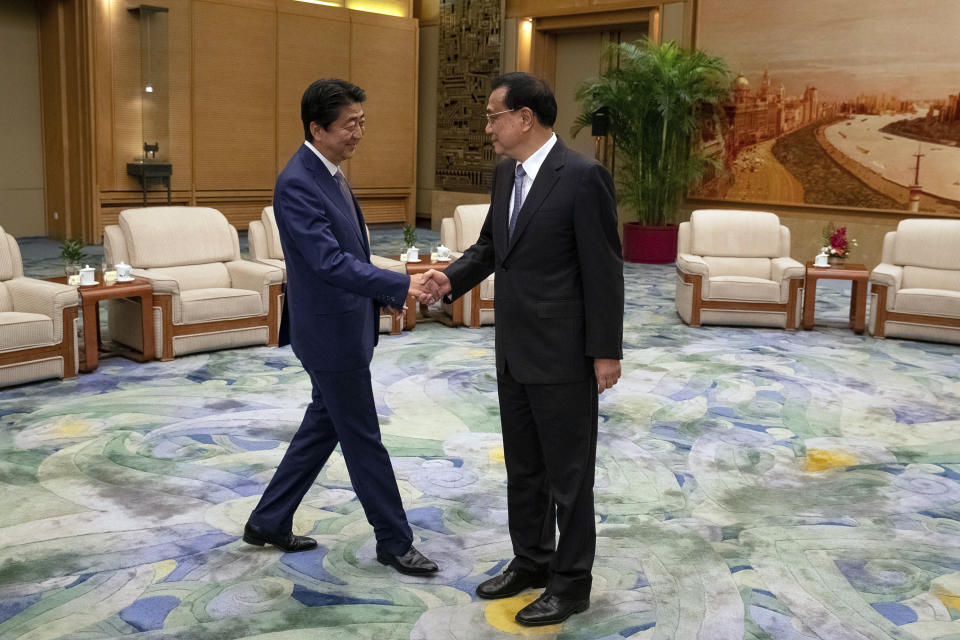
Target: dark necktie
519, 174
348, 197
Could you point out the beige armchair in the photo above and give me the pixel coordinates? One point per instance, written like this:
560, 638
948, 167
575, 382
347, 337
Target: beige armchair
205, 297
734, 267
458, 234
38, 323
264, 239
915, 290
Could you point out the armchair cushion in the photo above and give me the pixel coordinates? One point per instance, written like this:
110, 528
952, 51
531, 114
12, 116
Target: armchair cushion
731, 233
155, 236
927, 243
933, 302
730, 266
22, 330
195, 276
203, 305
927, 278
744, 288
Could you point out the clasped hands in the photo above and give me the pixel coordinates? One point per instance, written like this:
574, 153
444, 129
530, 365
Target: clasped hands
429, 287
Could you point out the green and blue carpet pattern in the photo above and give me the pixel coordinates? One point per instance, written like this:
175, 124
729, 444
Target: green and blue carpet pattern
751, 483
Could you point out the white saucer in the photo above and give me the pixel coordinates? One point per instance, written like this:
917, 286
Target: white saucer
130, 279
90, 284
417, 260
444, 259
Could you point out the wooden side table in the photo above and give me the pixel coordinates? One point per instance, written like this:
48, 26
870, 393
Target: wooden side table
90, 298
423, 266
857, 274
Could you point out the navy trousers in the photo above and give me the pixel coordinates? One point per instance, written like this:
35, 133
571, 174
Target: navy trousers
342, 411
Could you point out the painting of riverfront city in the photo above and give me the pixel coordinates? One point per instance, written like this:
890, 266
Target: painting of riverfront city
851, 104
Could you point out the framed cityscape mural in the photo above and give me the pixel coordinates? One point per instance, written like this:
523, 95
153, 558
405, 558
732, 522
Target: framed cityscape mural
850, 104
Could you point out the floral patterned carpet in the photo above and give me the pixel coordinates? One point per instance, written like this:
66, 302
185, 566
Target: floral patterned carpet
751, 483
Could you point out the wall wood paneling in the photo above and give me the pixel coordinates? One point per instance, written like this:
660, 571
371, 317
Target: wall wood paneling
236, 70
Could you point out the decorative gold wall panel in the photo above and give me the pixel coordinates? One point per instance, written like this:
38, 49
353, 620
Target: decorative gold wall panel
470, 58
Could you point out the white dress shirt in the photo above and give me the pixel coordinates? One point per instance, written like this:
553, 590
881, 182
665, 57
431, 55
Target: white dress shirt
532, 166
332, 168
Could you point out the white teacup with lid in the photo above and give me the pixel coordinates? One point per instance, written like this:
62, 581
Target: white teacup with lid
443, 252
88, 275
123, 271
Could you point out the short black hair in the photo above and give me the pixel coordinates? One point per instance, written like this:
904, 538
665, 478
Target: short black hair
525, 90
322, 101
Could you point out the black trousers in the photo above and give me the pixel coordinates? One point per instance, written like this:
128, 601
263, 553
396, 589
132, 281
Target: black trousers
342, 411
550, 450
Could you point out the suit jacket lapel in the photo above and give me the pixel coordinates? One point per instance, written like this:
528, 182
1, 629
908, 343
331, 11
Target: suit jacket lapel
501, 203
329, 186
547, 177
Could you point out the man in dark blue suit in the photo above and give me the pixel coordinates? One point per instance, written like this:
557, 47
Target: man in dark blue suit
333, 300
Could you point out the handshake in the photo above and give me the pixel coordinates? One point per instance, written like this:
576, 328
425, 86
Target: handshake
429, 287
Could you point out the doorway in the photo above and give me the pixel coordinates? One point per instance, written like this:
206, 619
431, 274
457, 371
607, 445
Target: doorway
579, 56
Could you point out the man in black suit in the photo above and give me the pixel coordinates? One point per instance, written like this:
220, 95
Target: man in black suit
550, 236
334, 297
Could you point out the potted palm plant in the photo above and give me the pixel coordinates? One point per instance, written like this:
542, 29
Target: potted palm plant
657, 98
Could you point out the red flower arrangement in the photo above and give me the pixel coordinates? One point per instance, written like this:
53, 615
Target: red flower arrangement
836, 243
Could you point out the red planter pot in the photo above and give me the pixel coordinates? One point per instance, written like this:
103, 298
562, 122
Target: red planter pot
649, 245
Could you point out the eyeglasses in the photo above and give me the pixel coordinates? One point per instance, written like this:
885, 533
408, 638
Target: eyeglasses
493, 116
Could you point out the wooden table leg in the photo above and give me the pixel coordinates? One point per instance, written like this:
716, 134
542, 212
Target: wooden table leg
91, 328
146, 326
411, 319
396, 322
809, 302
858, 306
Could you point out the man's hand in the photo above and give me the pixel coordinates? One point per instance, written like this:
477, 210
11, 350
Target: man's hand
607, 372
441, 281
423, 289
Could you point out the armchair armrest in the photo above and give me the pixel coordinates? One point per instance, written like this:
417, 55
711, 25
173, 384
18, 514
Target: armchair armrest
252, 275
162, 283
30, 295
689, 263
786, 269
448, 233
889, 276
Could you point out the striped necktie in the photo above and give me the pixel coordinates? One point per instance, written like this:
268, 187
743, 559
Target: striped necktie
519, 174
348, 197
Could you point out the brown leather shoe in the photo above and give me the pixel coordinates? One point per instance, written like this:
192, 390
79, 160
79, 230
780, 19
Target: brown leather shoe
412, 562
510, 583
550, 609
287, 542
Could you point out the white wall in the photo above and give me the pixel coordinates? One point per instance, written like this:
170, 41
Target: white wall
21, 137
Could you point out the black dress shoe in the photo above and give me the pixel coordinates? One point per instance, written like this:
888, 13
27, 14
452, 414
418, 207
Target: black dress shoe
252, 534
412, 563
550, 609
510, 583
